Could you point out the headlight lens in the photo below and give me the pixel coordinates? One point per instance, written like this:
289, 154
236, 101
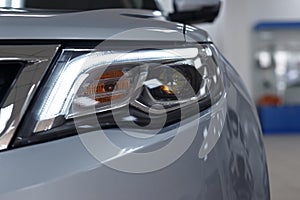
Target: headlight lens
86, 82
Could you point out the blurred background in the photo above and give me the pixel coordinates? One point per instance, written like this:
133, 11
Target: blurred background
261, 38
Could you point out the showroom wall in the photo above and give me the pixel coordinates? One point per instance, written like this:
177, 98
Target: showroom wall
232, 30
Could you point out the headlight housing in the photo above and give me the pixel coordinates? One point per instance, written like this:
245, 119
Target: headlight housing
153, 79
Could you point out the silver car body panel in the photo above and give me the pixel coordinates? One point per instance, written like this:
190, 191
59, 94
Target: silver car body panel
89, 25
64, 169
234, 169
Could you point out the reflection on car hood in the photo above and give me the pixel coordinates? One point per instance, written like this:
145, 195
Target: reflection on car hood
90, 25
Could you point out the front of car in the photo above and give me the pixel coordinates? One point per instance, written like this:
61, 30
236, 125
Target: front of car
123, 104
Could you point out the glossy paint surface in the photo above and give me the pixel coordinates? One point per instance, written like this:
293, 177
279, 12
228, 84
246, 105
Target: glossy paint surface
88, 25
235, 168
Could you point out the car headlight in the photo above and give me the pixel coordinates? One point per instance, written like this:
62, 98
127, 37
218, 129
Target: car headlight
154, 79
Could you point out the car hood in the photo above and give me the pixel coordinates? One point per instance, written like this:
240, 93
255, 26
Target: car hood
128, 24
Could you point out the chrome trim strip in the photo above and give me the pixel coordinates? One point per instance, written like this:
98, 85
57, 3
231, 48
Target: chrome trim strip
38, 58
28, 60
